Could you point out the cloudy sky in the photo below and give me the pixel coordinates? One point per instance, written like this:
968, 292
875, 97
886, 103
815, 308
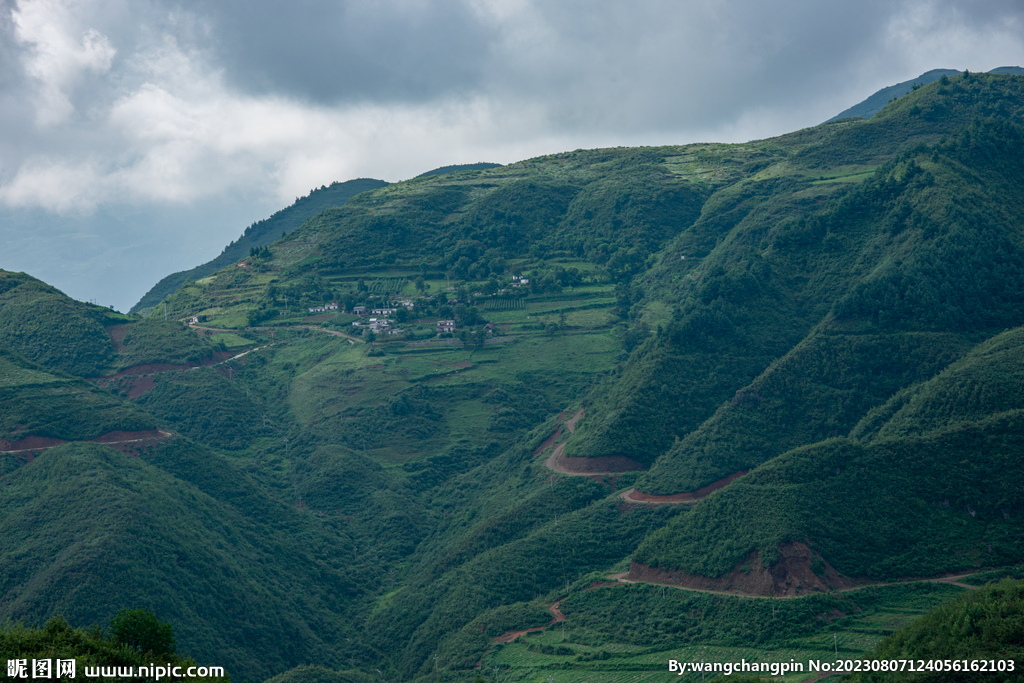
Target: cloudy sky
138, 137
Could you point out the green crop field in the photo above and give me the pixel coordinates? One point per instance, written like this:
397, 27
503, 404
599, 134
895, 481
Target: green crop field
580, 649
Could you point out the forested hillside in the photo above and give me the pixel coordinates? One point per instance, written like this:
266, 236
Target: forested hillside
778, 368
262, 233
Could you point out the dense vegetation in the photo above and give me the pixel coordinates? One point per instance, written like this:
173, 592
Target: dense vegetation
262, 233
836, 310
987, 624
135, 638
53, 330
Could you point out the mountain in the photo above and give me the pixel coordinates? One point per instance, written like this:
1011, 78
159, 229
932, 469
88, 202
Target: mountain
876, 102
458, 167
679, 376
262, 233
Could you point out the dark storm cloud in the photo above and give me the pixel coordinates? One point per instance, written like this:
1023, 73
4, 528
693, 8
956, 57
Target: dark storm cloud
350, 51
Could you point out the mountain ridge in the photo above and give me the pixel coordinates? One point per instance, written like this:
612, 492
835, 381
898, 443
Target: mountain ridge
835, 310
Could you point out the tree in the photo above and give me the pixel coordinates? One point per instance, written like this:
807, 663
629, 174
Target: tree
141, 630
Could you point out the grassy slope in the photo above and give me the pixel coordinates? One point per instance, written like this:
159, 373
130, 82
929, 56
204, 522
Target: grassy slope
801, 258
769, 214
897, 258
932, 487
985, 624
62, 334
49, 328
260, 234
41, 403
88, 531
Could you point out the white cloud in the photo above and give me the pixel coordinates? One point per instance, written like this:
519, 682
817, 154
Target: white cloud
59, 51
54, 184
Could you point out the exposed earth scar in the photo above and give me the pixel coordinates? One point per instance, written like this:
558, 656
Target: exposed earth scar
34, 445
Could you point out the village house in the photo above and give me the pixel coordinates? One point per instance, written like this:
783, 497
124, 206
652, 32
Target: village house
445, 326
383, 311
196, 319
333, 306
359, 310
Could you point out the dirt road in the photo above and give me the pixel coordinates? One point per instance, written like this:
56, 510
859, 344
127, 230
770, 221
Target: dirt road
950, 579
512, 635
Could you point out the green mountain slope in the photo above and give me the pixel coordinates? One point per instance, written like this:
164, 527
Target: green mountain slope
899, 251
931, 486
87, 531
43, 324
50, 406
262, 233
836, 311
458, 167
877, 101
900, 320
984, 627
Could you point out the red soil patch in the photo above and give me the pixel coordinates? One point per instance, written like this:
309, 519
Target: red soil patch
116, 334
460, 364
141, 385
218, 356
126, 442
146, 369
157, 368
111, 437
790, 576
30, 443
637, 497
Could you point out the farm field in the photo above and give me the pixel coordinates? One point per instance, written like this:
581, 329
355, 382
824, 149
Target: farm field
575, 651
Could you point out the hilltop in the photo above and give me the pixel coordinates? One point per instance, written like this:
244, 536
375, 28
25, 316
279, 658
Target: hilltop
878, 100
774, 369
262, 233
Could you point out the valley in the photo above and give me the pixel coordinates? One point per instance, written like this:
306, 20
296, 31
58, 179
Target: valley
701, 402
